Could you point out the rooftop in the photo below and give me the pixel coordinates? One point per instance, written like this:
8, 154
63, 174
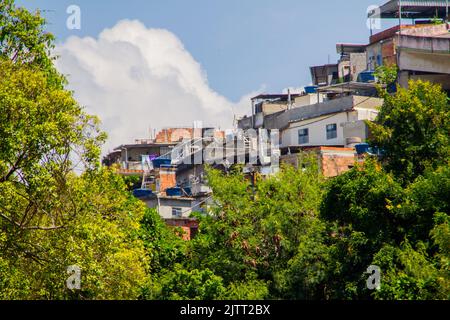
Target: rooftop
343, 48
145, 145
282, 97
350, 87
411, 9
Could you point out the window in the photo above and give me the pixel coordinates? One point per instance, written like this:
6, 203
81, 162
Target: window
331, 131
176, 212
379, 60
303, 136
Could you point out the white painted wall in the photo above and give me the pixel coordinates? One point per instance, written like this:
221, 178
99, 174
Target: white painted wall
166, 205
317, 128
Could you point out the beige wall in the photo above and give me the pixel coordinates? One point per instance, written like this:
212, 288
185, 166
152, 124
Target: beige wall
269, 108
307, 100
425, 62
360, 102
166, 205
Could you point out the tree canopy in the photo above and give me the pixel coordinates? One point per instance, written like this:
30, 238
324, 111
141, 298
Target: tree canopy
50, 216
293, 235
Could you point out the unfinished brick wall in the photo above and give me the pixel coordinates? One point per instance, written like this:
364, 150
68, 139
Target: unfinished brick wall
167, 178
178, 134
388, 53
290, 159
333, 161
173, 135
334, 165
188, 226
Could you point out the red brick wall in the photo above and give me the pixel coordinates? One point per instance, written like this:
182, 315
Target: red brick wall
334, 165
178, 134
388, 53
189, 226
167, 178
173, 135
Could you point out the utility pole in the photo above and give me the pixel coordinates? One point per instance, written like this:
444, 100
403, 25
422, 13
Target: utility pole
399, 31
446, 13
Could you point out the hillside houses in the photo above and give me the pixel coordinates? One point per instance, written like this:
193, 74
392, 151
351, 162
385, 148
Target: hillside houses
329, 118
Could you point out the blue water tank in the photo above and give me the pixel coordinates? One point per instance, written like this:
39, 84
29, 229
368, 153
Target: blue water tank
366, 76
142, 193
362, 148
174, 192
311, 89
158, 162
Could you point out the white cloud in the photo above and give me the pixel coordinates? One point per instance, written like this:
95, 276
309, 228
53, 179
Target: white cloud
135, 78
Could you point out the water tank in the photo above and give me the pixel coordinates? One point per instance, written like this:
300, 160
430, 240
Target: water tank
311, 89
158, 162
362, 148
174, 192
142, 193
366, 76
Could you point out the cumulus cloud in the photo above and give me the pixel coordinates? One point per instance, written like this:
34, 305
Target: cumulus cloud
135, 78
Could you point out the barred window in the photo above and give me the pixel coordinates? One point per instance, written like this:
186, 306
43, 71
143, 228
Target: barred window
176, 212
303, 136
331, 131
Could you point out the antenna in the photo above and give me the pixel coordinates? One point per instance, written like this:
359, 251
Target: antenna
289, 99
446, 13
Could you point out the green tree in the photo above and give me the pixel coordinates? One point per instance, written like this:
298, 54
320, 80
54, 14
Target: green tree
164, 247
182, 284
373, 220
23, 40
413, 129
251, 234
386, 75
356, 208
50, 217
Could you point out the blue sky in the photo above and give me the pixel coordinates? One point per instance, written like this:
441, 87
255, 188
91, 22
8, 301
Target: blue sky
240, 44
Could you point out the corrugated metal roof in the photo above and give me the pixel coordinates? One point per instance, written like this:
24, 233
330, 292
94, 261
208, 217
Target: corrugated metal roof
412, 9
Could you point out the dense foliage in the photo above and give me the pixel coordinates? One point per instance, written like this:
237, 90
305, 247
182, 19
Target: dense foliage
294, 235
299, 236
50, 217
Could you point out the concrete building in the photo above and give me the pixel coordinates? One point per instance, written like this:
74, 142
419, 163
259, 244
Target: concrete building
325, 75
424, 53
420, 50
180, 207
129, 156
333, 161
337, 122
175, 189
353, 61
